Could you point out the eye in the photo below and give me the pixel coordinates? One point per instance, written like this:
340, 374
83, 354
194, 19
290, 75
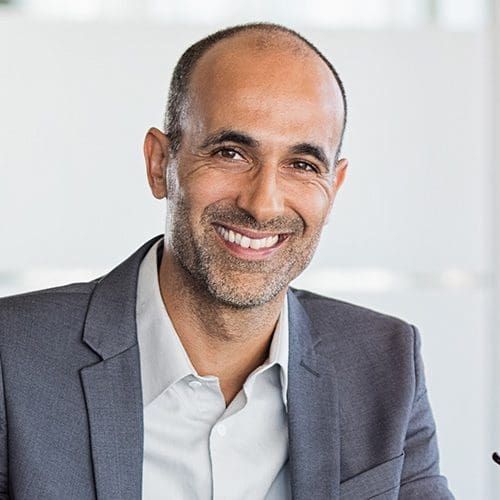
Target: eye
305, 166
229, 154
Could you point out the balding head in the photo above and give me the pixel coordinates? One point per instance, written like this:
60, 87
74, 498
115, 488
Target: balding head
260, 38
254, 125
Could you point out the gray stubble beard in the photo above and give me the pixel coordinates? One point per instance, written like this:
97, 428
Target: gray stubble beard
212, 274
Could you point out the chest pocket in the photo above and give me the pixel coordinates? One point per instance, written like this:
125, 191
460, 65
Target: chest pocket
380, 482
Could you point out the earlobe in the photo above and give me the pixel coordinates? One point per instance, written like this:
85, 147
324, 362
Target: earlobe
156, 154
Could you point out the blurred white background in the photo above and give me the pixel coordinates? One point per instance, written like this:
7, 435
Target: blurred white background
414, 232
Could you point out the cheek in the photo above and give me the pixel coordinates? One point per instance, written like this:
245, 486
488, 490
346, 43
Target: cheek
196, 195
312, 202
314, 219
209, 187
309, 199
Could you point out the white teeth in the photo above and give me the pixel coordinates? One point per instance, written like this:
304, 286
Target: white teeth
255, 244
245, 241
271, 241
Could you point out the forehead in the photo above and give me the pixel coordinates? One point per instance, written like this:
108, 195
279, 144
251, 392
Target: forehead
275, 85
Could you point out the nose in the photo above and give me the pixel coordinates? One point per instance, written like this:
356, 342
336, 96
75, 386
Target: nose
261, 195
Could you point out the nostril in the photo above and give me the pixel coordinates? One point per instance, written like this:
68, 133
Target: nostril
261, 203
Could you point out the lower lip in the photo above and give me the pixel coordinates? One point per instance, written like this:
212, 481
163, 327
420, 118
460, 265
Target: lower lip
250, 253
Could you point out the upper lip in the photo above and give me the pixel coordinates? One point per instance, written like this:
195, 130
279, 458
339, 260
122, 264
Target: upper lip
248, 232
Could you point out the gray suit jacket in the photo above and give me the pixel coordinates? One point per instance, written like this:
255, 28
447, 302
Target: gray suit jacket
71, 424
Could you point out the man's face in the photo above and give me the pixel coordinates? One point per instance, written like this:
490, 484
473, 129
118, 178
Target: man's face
252, 184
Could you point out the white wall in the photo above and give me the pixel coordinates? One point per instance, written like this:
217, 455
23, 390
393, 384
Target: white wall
77, 99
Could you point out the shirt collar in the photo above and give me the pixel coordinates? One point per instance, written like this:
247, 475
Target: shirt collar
163, 358
278, 351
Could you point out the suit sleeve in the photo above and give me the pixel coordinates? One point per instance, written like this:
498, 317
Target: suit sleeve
420, 476
4, 476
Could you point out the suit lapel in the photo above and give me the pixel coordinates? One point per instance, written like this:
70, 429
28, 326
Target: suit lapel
313, 412
113, 395
114, 405
112, 386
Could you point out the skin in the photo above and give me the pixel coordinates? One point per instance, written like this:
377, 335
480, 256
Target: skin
240, 167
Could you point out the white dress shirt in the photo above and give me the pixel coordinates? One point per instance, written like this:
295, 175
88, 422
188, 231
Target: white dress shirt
194, 447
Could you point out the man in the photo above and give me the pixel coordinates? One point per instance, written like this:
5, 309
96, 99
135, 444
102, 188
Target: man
192, 371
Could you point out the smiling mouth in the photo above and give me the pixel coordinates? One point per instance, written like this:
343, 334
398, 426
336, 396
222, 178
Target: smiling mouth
249, 241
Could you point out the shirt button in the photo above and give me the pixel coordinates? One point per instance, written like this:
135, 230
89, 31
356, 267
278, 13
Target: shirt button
221, 430
195, 384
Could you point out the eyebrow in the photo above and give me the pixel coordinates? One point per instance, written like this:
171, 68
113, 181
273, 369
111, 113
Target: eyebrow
230, 136
242, 138
305, 148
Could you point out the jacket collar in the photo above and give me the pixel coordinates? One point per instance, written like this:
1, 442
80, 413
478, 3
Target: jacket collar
110, 325
313, 411
112, 387
113, 393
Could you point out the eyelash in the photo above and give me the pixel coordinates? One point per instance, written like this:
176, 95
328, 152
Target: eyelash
308, 167
227, 150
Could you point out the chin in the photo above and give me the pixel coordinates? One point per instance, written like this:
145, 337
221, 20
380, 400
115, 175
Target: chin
243, 298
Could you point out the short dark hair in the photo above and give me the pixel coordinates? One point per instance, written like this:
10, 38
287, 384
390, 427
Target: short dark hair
179, 85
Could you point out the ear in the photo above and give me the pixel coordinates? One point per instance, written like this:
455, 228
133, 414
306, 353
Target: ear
156, 154
340, 173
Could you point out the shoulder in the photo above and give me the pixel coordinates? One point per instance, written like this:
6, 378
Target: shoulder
374, 354
354, 326
32, 314
72, 293
330, 309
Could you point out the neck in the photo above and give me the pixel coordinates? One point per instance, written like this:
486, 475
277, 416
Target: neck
220, 339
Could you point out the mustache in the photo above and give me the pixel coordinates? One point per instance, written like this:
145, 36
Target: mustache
237, 217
